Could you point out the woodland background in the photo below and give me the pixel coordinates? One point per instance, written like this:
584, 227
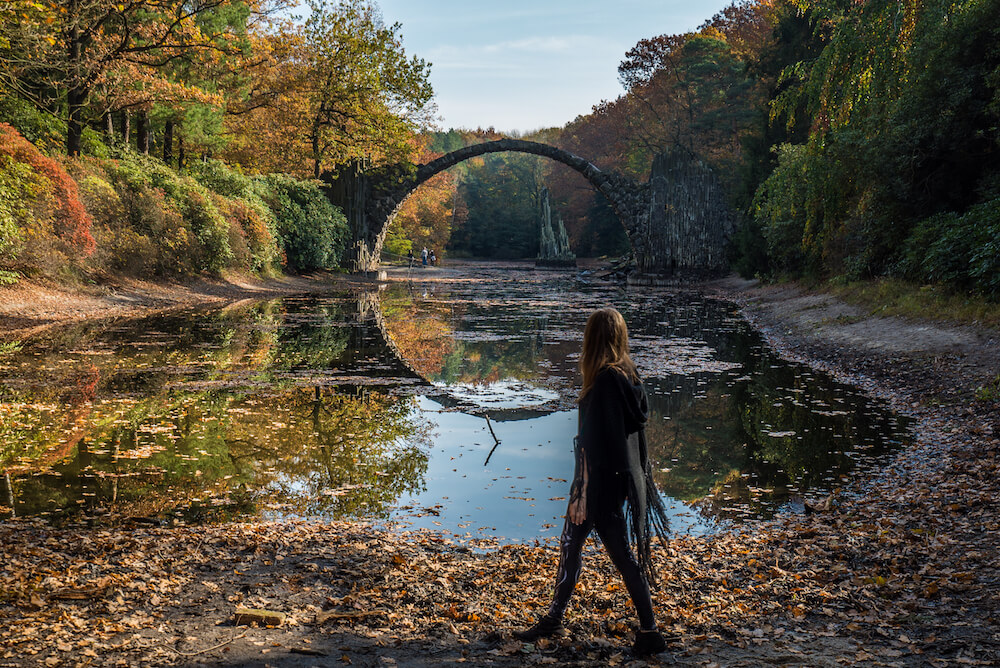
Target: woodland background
859, 139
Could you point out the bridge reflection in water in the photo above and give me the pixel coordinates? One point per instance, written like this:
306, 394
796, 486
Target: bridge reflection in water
374, 405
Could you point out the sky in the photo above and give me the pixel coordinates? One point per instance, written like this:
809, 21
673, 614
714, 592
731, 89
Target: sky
524, 65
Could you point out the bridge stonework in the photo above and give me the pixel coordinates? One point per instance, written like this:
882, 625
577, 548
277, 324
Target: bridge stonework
678, 223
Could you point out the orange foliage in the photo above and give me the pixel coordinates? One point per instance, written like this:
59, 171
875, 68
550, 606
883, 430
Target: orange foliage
424, 338
250, 238
426, 216
73, 223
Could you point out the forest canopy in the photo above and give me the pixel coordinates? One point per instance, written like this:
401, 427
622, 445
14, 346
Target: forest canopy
856, 138
165, 136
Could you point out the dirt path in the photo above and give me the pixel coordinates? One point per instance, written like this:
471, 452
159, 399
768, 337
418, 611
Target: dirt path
899, 570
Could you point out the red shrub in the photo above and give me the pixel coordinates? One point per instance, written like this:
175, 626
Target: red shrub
73, 220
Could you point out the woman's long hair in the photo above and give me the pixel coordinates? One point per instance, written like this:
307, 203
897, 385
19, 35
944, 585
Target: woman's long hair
605, 344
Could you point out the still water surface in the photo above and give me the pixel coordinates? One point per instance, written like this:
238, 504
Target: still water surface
386, 404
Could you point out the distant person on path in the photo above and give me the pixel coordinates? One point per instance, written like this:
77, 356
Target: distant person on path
409, 256
612, 468
423, 256
433, 258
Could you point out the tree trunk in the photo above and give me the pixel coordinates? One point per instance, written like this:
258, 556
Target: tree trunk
315, 150
109, 129
168, 142
142, 133
75, 100
76, 96
180, 151
126, 129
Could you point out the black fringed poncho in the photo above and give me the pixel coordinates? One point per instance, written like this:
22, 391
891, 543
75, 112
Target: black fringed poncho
611, 443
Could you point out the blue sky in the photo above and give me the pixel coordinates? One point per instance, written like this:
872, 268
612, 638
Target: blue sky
523, 65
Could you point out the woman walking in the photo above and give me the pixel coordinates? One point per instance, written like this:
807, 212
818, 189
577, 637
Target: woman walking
612, 468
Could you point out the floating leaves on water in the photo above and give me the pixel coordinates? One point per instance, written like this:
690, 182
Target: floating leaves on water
658, 356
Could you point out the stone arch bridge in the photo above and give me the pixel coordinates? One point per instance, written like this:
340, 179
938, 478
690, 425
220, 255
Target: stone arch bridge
677, 222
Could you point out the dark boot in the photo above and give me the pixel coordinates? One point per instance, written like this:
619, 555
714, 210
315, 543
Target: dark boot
543, 628
648, 643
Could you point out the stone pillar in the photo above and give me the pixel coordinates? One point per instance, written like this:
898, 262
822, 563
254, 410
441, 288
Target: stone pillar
553, 245
687, 222
350, 191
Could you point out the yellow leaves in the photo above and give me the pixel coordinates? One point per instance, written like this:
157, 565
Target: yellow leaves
460, 615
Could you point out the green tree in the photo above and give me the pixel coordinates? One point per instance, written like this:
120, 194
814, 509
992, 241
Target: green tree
501, 192
363, 97
901, 105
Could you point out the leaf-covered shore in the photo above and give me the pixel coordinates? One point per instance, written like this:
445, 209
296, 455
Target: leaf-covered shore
895, 570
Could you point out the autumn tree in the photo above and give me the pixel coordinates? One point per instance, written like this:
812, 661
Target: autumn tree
265, 111
73, 48
698, 99
363, 96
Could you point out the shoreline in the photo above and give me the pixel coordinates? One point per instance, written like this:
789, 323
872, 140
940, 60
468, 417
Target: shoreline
899, 569
31, 307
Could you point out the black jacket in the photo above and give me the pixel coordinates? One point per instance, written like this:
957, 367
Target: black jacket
611, 443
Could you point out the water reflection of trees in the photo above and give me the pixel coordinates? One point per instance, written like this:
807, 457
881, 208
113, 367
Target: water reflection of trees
741, 445
258, 407
487, 349
200, 413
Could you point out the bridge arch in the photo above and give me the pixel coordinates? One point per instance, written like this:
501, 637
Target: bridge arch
678, 222
602, 181
376, 200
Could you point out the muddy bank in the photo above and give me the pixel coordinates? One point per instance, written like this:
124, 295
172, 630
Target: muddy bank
907, 356
897, 569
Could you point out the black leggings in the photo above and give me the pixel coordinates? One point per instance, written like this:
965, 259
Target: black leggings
611, 528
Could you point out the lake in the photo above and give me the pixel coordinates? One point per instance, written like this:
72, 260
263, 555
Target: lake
446, 402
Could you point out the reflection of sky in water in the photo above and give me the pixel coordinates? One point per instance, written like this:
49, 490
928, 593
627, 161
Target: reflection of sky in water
519, 495
500, 394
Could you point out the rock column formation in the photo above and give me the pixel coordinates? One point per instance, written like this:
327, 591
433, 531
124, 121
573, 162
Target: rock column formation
553, 246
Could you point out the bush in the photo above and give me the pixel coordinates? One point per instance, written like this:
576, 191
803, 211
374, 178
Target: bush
251, 238
151, 220
107, 210
70, 221
960, 250
218, 177
42, 129
189, 219
252, 226
312, 231
19, 187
